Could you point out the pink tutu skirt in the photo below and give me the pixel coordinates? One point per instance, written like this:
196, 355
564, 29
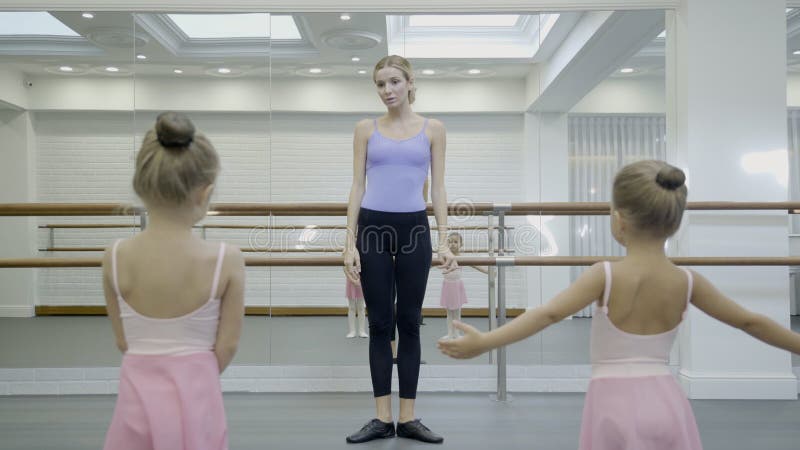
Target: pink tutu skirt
638, 413
168, 402
454, 296
353, 291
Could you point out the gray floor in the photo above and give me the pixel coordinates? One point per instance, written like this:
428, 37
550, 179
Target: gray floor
73, 341
321, 421
87, 342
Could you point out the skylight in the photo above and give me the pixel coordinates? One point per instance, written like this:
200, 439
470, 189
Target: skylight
32, 23
472, 20
468, 36
225, 26
283, 27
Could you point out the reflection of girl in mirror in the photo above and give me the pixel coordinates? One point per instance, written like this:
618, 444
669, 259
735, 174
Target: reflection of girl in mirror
454, 295
391, 245
633, 400
175, 301
355, 307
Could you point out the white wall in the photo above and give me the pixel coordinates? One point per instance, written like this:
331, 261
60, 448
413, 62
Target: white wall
613, 95
252, 95
793, 90
625, 96
12, 89
17, 234
88, 157
733, 122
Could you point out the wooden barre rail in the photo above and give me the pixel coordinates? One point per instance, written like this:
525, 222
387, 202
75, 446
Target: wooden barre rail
272, 311
290, 227
322, 261
340, 209
247, 250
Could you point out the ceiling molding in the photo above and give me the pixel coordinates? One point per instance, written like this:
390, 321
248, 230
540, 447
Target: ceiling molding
48, 46
179, 44
339, 6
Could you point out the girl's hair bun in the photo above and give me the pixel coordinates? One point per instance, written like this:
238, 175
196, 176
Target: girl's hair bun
670, 177
174, 130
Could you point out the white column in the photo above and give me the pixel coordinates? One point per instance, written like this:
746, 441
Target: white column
727, 125
17, 234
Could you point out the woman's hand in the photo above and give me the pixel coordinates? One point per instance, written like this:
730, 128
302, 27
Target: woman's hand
468, 346
352, 265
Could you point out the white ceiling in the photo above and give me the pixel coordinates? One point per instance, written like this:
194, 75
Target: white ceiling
115, 38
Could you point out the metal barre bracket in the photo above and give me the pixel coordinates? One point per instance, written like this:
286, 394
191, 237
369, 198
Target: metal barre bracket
500, 207
505, 261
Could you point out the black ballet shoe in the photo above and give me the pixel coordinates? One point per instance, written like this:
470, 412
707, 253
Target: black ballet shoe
416, 430
374, 429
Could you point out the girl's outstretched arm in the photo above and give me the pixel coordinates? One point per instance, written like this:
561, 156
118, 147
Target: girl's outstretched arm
585, 290
717, 305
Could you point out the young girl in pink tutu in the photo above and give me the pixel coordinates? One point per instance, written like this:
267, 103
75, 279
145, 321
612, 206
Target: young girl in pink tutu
175, 301
633, 401
454, 295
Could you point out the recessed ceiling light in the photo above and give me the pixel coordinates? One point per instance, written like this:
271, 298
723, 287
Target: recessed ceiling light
796, 52
626, 70
362, 72
112, 69
474, 71
355, 59
178, 71
345, 17
315, 70
87, 15
224, 70
140, 56
428, 72
65, 69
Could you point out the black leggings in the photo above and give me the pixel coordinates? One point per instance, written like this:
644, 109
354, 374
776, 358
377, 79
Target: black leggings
395, 250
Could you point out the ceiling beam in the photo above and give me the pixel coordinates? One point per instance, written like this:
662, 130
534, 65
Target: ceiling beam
599, 44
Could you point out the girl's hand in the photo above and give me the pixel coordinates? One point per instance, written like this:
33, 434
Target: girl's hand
352, 265
468, 346
448, 260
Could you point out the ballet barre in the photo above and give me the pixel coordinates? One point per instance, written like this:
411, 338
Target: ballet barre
520, 261
340, 209
270, 311
246, 249
287, 227
204, 227
501, 262
456, 210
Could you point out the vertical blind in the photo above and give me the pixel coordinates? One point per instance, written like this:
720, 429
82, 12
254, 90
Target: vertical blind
599, 145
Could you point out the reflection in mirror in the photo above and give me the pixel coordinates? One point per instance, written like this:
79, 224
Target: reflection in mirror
793, 106
66, 107
603, 109
216, 68
321, 86
537, 107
